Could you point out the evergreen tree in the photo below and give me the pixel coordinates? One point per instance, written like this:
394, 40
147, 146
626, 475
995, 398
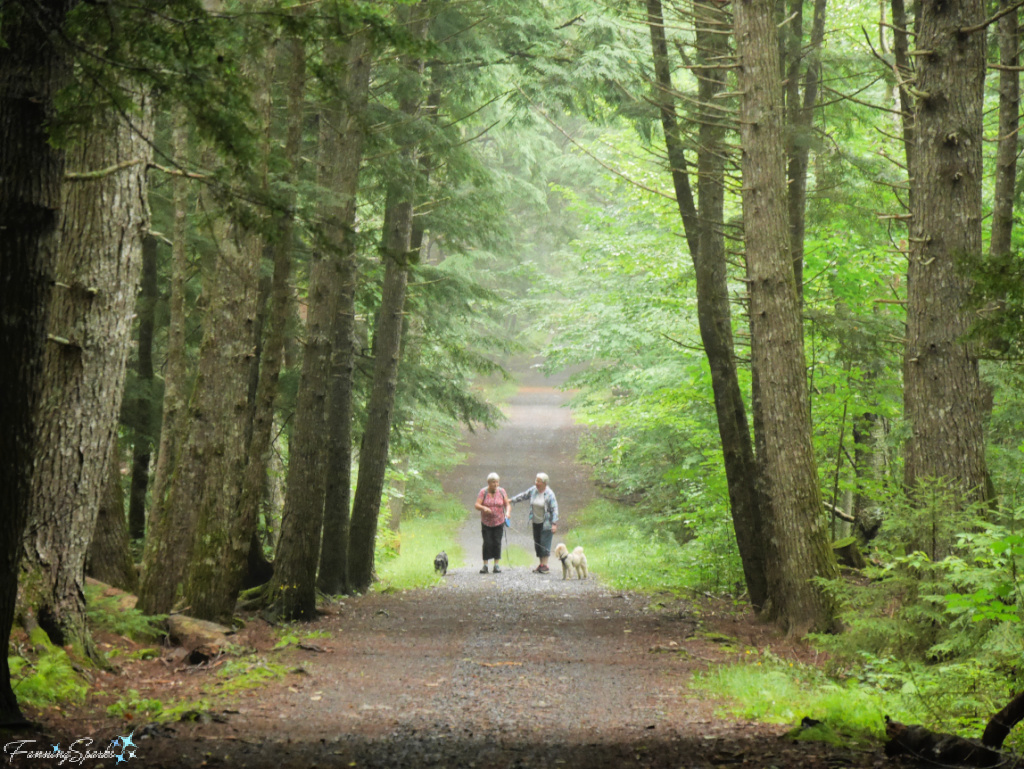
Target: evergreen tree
799, 548
942, 396
34, 67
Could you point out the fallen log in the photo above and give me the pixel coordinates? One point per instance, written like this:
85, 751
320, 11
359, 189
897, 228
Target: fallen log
939, 749
950, 750
1002, 722
201, 639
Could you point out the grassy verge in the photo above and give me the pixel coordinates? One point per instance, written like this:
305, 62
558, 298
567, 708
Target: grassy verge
772, 690
629, 556
408, 560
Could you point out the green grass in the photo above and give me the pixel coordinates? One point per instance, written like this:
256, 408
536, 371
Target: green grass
411, 564
771, 690
629, 555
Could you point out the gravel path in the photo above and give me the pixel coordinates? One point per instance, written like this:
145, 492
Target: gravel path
509, 671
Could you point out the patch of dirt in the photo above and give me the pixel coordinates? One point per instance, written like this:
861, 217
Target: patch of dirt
505, 671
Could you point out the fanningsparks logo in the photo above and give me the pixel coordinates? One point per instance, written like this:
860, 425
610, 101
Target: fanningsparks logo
120, 749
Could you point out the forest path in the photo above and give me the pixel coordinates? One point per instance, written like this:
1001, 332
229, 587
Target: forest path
539, 436
509, 671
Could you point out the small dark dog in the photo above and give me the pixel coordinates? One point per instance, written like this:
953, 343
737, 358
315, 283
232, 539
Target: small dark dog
441, 563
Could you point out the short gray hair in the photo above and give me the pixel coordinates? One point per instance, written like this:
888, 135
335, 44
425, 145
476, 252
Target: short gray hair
543, 477
493, 477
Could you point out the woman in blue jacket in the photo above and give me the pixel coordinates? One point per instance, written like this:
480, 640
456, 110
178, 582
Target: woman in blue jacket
543, 516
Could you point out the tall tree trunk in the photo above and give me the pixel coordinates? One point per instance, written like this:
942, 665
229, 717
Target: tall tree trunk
32, 71
109, 558
170, 530
1008, 141
106, 216
665, 99
942, 402
208, 478
705, 237
342, 135
801, 118
798, 543
236, 532
292, 589
395, 249
141, 410
904, 71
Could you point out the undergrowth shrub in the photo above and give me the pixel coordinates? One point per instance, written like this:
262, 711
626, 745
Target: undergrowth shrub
107, 613
45, 677
133, 707
639, 553
945, 632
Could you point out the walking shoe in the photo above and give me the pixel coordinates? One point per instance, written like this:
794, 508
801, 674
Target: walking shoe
497, 569
484, 569
543, 569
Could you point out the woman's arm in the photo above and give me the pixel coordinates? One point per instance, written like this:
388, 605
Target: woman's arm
552, 506
522, 495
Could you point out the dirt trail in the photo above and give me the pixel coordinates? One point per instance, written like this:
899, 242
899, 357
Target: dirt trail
540, 436
516, 670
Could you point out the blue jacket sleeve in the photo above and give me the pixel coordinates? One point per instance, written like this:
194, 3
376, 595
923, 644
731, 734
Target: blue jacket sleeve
521, 496
552, 506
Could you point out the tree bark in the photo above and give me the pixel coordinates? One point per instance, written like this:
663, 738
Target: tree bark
904, 71
109, 558
106, 216
798, 541
801, 119
342, 137
32, 71
141, 410
942, 393
1008, 139
169, 529
395, 250
705, 237
665, 100
238, 560
208, 478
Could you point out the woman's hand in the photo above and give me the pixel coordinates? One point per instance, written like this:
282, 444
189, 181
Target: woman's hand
554, 528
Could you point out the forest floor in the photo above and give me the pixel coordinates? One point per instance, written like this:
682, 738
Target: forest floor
494, 671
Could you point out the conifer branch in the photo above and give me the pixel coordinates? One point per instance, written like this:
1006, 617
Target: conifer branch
996, 17
86, 176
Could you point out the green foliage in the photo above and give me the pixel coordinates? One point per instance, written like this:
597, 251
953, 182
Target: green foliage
412, 564
132, 706
46, 678
639, 554
105, 612
242, 674
292, 636
945, 635
767, 688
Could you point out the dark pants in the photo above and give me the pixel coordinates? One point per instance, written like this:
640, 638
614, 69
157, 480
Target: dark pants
541, 540
492, 541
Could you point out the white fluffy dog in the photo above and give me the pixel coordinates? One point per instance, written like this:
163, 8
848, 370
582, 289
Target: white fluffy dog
562, 554
576, 560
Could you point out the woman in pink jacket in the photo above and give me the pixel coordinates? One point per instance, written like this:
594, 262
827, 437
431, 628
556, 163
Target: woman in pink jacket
494, 507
